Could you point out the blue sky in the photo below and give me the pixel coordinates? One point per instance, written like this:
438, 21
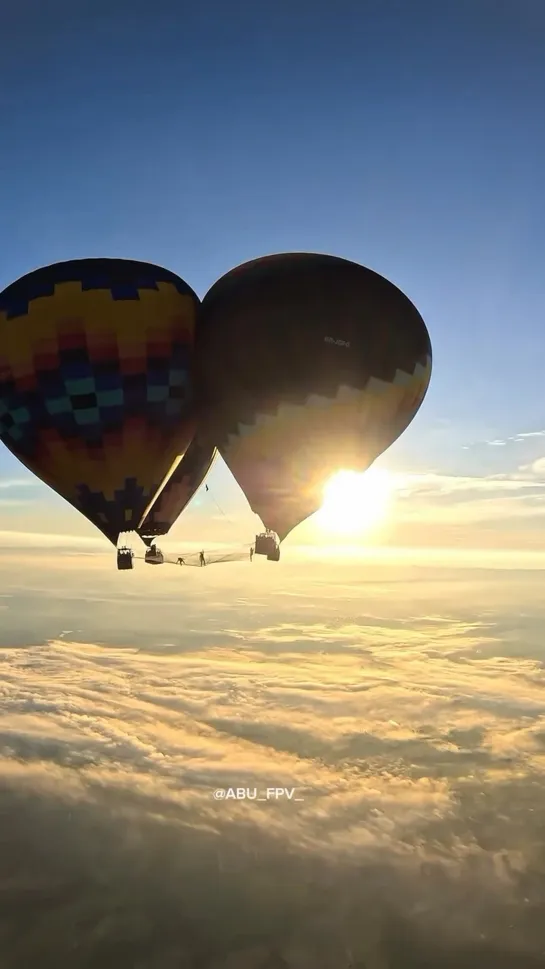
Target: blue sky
403, 136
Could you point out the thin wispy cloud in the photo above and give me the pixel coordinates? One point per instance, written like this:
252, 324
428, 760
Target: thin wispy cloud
17, 539
502, 442
17, 483
12, 503
441, 484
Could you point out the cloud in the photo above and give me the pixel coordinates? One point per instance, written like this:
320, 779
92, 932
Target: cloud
432, 484
27, 539
6, 483
406, 707
428, 508
15, 485
536, 469
502, 442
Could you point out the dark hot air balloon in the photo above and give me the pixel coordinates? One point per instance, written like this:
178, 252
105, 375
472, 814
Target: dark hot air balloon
308, 364
180, 488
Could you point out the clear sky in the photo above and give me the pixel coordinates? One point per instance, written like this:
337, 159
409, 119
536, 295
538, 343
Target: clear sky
407, 137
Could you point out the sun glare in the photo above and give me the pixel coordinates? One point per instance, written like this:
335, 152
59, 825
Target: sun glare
355, 502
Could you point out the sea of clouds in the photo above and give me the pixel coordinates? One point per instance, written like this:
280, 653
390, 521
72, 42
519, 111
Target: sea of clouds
403, 704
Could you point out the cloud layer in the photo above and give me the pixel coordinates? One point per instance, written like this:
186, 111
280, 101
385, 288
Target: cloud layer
405, 706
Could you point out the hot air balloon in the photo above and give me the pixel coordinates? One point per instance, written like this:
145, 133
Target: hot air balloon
307, 364
96, 383
183, 483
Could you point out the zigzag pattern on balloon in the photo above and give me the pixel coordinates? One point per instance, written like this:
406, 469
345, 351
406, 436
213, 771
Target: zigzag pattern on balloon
414, 383
96, 383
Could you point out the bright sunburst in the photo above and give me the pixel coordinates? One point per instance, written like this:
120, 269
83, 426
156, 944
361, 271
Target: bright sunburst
355, 502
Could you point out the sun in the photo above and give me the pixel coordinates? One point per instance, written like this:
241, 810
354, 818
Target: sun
355, 502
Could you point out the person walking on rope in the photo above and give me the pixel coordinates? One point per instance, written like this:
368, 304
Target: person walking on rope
202, 559
180, 561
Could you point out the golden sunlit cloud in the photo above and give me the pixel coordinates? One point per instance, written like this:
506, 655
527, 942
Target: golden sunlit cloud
355, 502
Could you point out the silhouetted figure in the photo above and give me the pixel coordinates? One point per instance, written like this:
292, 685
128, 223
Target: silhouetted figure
251, 553
202, 559
180, 561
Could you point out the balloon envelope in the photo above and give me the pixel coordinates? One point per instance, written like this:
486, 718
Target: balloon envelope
308, 363
179, 490
96, 394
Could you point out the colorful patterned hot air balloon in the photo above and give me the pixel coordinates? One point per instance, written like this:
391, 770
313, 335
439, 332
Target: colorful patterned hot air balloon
96, 394
179, 490
308, 364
